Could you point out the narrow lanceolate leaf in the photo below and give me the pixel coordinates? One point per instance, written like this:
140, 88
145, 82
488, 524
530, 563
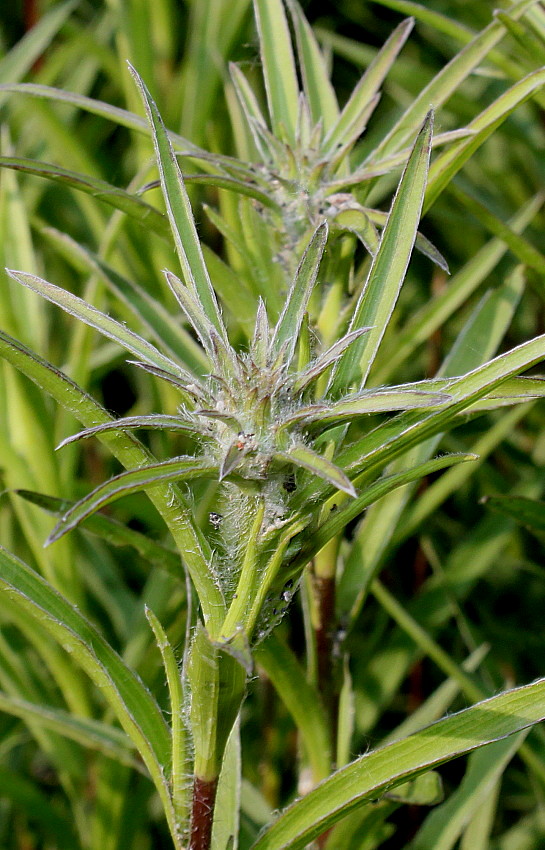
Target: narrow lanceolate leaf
451, 160
174, 469
99, 189
383, 769
133, 704
396, 436
179, 212
94, 734
338, 520
446, 82
128, 423
355, 219
159, 321
286, 332
278, 67
385, 401
446, 823
388, 269
316, 464
318, 89
367, 88
328, 358
193, 311
302, 701
100, 321
172, 507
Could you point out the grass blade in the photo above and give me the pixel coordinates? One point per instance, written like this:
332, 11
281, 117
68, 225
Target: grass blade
301, 700
133, 704
446, 82
99, 189
180, 800
288, 326
367, 88
321, 96
449, 163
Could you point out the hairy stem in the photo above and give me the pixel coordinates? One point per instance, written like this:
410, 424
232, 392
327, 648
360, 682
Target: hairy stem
202, 813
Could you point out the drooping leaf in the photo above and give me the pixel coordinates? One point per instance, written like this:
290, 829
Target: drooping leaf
310, 460
174, 469
129, 423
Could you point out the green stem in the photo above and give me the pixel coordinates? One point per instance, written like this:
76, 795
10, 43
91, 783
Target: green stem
245, 592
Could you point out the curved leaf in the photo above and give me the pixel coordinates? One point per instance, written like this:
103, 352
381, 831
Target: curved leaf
133, 704
379, 771
101, 322
174, 469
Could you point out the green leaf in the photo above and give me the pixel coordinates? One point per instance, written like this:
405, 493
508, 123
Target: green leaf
178, 782
438, 91
339, 519
278, 67
394, 437
318, 465
100, 321
225, 828
133, 206
129, 423
174, 469
378, 771
90, 733
328, 358
133, 704
318, 89
388, 269
443, 827
286, 332
115, 533
450, 161
366, 89
381, 401
422, 324
356, 221
301, 700
182, 224
159, 320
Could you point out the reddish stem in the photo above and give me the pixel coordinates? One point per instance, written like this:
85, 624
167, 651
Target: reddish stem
202, 815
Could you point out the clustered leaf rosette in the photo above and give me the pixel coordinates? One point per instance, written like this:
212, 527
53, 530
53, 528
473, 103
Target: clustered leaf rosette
298, 156
252, 416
